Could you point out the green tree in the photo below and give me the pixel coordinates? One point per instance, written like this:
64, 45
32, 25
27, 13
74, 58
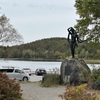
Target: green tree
97, 54
88, 24
86, 54
2, 52
82, 53
15, 53
57, 55
27, 53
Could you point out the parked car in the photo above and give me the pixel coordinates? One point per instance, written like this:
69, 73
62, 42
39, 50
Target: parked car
27, 70
40, 71
15, 73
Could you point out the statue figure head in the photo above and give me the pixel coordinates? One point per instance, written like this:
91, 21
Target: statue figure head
71, 30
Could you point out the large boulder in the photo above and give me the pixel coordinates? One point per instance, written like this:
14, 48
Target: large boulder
74, 71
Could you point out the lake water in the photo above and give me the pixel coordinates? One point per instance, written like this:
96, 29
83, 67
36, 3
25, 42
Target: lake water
36, 64
30, 64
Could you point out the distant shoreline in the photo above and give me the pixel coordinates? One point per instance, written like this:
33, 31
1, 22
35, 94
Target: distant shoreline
29, 59
91, 61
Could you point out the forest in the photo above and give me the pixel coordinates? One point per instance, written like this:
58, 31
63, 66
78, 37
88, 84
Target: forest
50, 49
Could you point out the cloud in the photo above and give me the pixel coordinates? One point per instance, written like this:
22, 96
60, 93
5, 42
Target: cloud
15, 5
49, 6
40, 4
43, 6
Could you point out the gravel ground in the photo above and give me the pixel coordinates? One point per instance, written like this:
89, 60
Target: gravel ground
32, 91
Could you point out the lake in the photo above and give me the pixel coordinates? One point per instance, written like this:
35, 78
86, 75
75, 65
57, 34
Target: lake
30, 64
33, 65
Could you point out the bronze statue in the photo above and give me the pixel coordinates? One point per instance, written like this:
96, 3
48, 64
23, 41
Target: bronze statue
73, 40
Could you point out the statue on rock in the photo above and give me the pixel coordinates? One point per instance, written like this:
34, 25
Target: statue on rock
74, 71
73, 40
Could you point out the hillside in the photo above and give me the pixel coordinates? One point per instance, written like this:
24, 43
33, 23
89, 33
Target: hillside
50, 48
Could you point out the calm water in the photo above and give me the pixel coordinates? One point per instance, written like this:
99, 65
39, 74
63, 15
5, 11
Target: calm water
36, 64
30, 64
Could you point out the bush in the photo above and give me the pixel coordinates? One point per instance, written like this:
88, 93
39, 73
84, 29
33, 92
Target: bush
95, 79
95, 75
9, 89
79, 93
50, 80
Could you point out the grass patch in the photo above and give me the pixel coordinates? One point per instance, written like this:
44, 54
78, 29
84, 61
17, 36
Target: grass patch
92, 61
22, 82
50, 80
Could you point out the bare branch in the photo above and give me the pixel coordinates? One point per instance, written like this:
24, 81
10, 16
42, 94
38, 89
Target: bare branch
7, 33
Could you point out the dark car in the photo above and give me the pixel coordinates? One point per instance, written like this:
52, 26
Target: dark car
40, 71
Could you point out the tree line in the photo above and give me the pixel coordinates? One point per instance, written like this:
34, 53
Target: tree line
50, 49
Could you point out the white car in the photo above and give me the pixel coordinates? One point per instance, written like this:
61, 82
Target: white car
27, 70
15, 73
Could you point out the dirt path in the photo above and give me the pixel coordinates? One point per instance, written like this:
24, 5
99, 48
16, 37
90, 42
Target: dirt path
32, 91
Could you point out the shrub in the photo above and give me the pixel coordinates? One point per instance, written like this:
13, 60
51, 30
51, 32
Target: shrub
9, 89
95, 79
79, 93
95, 75
50, 80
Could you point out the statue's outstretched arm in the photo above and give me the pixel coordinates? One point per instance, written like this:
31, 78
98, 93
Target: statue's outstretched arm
79, 40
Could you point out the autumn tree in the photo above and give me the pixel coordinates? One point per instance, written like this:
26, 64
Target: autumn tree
8, 34
88, 24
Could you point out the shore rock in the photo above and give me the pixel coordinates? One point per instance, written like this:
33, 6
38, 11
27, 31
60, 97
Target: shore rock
74, 71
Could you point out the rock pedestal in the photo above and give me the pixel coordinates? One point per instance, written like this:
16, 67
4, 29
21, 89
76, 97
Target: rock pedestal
74, 71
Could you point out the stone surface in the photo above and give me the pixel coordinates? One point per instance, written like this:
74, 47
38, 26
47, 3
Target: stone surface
73, 71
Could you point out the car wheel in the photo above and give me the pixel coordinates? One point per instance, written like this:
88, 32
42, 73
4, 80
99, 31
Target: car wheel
25, 79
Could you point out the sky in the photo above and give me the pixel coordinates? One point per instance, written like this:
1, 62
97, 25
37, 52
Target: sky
39, 19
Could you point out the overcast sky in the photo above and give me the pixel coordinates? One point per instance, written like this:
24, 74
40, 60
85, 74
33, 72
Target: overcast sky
39, 19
